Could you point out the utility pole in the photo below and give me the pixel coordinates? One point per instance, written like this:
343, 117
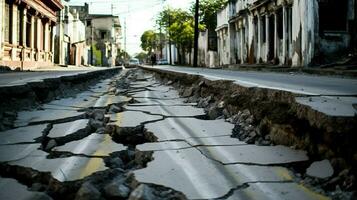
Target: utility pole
195, 47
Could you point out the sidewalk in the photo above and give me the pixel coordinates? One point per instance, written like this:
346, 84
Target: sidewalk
341, 70
15, 78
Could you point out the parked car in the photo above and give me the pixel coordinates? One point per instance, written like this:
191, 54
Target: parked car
162, 62
133, 62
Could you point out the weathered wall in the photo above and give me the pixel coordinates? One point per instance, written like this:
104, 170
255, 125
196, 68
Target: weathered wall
223, 36
2, 22
305, 31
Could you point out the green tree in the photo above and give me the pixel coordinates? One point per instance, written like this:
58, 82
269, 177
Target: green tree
208, 11
178, 25
142, 56
151, 40
148, 40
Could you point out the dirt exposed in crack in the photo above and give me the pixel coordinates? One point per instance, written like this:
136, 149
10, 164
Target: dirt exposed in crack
130, 136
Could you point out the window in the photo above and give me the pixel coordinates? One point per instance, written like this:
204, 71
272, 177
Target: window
7, 22
102, 35
43, 43
19, 26
264, 25
28, 30
333, 15
35, 32
280, 23
89, 23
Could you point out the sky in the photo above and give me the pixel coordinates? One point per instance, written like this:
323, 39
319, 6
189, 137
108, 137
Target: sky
137, 15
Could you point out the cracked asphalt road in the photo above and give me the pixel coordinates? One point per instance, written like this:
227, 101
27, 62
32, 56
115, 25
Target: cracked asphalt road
143, 137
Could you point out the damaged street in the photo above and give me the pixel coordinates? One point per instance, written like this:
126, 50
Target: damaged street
178, 99
136, 135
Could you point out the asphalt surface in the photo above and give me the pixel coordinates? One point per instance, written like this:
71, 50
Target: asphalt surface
296, 83
21, 78
330, 95
194, 156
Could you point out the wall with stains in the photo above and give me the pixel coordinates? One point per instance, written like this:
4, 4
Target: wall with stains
305, 31
2, 21
292, 32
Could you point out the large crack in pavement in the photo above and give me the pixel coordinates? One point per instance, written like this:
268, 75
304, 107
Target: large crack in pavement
136, 138
73, 139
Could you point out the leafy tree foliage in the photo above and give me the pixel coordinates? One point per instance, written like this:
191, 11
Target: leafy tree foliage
208, 11
151, 40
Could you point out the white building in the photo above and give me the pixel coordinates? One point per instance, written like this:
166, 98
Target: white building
103, 35
70, 38
223, 37
286, 32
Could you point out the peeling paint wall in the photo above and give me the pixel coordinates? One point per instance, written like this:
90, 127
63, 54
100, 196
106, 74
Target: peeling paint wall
291, 32
223, 37
2, 21
305, 31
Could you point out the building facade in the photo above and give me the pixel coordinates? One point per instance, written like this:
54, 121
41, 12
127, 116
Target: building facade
285, 32
223, 37
70, 48
27, 32
103, 34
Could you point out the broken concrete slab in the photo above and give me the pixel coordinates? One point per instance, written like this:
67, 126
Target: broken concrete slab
163, 102
63, 169
331, 105
161, 146
161, 88
171, 94
19, 151
93, 145
197, 177
131, 118
106, 100
101, 87
11, 189
320, 169
64, 129
183, 128
80, 101
252, 154
215, 141
36, 116
177, 111
291, 191
22, 135
142, 84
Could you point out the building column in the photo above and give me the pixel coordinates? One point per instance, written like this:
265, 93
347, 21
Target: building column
285, 35
267, 37
24, 20
14, 28
259, 45
52, 43
2, 21
276, 37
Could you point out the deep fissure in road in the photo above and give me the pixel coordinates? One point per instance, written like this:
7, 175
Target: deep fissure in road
140, 141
